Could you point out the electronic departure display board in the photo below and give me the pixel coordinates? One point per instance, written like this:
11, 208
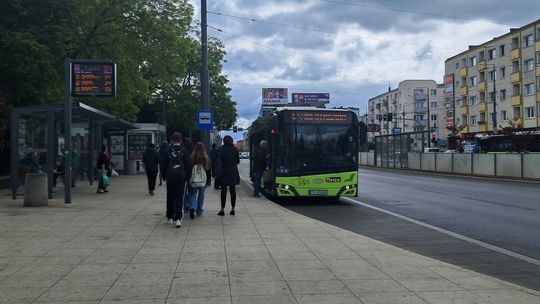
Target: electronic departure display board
328, 117
93, 79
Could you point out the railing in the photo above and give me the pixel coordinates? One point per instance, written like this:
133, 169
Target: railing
509, 165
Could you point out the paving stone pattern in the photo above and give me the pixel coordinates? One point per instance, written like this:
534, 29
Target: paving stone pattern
117, 248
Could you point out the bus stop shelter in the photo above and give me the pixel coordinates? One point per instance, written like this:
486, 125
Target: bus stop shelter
38, 131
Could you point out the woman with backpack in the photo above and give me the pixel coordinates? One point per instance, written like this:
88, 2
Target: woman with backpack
199, 176
228, 159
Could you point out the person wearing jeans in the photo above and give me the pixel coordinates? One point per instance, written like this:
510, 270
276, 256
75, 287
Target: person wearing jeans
200, 176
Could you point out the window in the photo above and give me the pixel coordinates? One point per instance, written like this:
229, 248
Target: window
503, 73
473, 81
492, 54
515, 43
482, 76
491, 97
464, 100
515, 66
517, 112
434, 104
502, 96
483, 116
530, 89
433, 92
378, 106
418, 117
501, 50
482, 96
492, 75
528, 65
463, 82
503, 116
433, 117
474, 121
457, 65
472, 61
516, 89
528, 41
463, 63
538, 58
473, 100
419, 105
529, 112
481, 56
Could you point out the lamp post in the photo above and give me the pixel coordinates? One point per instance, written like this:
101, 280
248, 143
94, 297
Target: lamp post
205, 91
494, 118
428, 118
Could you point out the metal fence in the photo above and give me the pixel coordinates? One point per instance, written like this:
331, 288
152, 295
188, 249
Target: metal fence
391, 150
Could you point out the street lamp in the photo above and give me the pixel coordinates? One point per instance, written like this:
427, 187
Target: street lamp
494, 118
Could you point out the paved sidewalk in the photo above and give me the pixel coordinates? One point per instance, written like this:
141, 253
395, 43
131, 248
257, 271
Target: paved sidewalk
118, 248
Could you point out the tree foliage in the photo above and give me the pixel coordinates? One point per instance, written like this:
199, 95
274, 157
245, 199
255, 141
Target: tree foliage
153, 43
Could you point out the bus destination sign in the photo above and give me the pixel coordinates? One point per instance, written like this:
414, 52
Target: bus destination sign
93, 79
333, 117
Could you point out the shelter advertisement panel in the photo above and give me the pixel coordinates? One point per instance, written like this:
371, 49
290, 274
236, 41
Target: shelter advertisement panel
310, 99
275, 96
449, 99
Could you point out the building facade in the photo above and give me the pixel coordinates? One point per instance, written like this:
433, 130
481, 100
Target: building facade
407, 105
495, 83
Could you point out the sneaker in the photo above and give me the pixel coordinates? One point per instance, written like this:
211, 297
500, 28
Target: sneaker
232, 212
99, 191
221, 213
105, 190
151, 193
192, 213
178, 223
170, 221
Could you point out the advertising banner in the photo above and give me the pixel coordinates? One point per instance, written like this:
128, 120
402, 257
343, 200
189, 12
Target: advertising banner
275, 96
310, 99
449, 100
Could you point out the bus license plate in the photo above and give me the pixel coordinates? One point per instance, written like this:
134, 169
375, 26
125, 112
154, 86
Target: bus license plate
318, 192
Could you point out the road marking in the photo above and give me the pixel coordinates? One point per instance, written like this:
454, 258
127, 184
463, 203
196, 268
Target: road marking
447, 232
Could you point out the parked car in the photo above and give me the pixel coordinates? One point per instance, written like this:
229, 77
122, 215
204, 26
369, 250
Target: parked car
244, 155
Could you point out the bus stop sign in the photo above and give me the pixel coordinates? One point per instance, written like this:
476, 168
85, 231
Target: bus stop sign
205, 120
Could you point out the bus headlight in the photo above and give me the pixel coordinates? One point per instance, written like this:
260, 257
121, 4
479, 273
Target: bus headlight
347, 187
287, 187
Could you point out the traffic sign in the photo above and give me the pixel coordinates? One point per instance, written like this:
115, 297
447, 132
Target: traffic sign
205, 120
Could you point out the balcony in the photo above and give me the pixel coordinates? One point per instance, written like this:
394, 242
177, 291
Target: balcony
537, 45
538, 71
420, 96
420, 109
482, 107
421, 123
515, 54
515, 77
482, 126
463, 72
481, 86
516, 100
538, 96
463, 110
482, 65
463, 91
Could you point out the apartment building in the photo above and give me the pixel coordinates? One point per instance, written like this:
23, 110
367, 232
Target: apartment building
496, 82
408, 107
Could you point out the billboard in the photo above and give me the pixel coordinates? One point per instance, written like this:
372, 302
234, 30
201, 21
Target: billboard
310, 99
449, 100
275, 96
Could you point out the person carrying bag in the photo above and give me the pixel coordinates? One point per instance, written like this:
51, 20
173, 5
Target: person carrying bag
199, 177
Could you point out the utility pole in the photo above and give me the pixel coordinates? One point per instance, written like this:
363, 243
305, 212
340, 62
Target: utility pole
494, 118
428, 119
205, 91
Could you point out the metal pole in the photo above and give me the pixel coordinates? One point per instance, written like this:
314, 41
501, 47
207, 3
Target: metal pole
14, 150
494, 100
205, 91
428, 120
50, 152
67, 131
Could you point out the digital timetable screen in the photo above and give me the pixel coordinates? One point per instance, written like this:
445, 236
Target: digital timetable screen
93, 79
332, 117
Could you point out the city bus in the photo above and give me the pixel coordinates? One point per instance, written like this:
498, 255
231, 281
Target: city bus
313, 152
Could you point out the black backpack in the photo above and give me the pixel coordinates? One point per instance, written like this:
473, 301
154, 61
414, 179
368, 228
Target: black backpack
176, 168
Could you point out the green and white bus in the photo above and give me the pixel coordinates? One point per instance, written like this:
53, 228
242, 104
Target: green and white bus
312, 151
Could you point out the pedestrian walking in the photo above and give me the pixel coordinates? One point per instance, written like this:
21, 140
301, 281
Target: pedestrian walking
102, 168
151, 164
228, 158
259, 165
213, 157
188, 196
199, 176
178, 170
163, 154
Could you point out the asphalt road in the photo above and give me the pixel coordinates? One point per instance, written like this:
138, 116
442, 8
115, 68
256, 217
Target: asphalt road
500, 213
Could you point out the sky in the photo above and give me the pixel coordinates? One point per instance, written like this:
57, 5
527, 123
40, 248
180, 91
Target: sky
352, 49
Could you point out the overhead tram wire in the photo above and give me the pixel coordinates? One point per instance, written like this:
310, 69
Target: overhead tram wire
400, 10
319, 30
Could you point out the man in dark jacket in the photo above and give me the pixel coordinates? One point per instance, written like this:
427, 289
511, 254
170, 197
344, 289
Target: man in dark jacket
259, 165
178, 170
151, 163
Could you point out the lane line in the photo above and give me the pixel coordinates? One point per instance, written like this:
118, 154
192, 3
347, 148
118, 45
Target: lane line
447, 232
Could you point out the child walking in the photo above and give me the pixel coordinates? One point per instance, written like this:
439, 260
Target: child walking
201, 164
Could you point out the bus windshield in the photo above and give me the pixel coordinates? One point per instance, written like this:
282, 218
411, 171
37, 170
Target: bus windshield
316, 148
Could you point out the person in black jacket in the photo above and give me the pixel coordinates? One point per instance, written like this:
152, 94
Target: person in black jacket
230, 177
151, 163
163, 154
178, 170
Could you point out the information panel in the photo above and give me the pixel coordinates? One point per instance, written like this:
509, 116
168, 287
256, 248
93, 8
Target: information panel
329, 117
93, 79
